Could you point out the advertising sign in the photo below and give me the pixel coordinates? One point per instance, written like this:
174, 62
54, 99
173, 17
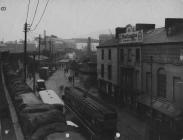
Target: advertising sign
131, 37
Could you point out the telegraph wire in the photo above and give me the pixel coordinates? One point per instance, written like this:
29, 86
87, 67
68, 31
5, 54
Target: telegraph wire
27, 10
41, 15
35, 13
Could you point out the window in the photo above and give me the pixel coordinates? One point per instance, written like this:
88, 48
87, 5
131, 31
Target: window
148, 82
109, 72
138, 55
109, 54
176, 88
102, 70
102, 54
161, 83
137, 79
122, 55
129, 55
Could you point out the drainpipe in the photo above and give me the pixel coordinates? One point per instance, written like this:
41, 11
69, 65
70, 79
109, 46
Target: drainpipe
151, 59
118, 72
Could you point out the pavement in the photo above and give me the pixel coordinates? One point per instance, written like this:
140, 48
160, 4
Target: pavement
129, 126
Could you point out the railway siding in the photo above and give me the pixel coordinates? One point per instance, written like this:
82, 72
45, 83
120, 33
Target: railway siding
16, 125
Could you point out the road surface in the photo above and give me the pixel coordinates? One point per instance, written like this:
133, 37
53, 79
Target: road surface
129, 126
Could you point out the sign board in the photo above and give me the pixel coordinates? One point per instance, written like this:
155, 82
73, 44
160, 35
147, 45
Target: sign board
131, 37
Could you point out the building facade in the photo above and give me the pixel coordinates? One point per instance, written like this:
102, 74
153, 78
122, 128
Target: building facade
129, 51
107, 68
162, 56
135, 53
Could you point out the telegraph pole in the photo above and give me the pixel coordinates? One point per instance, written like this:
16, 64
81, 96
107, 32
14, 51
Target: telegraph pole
50, 53
45, 38
39, 46
25, 51
39, 51
26, 29
34, 80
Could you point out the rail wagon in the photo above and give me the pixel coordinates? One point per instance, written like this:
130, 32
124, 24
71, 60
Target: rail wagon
50, 97
44, 73
37, 118
98, 117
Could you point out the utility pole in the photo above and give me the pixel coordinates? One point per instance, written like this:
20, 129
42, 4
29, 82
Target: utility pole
39, 47
50, 53
45, 38
34, 72
25, 51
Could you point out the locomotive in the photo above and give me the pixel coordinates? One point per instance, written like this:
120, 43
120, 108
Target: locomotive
36, 118
101, 119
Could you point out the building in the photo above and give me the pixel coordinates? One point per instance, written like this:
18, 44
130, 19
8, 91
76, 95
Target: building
130, 41
105, 37
135, 53
107, 68
142, 67
82, 43
17, 47
162, 57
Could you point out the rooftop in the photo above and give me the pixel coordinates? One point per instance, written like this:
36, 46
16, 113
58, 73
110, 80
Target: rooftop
158, 35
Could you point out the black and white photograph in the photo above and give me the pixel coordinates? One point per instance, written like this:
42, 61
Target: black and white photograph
91, 69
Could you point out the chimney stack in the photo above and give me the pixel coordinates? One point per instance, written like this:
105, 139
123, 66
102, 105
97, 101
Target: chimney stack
173, 25
145, 27
120, 30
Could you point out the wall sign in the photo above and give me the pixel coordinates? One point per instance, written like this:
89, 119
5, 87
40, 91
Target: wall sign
131, 37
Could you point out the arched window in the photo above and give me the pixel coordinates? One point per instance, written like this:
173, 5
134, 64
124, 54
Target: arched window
161, 83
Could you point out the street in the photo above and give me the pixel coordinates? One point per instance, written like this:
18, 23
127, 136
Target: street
129, 126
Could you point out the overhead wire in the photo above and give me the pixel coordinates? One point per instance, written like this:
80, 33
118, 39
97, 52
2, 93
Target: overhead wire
34, 13
27, 11
41, 16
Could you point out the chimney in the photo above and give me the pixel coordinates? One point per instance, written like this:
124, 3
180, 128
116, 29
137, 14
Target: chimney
145, 27
120, 30
89, 45
173, 25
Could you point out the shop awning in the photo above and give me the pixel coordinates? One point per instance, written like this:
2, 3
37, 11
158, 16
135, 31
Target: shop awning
166, 107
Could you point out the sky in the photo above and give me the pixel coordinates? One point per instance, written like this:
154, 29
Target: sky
83, 18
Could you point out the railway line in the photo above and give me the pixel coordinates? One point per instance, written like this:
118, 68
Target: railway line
16, 125
92, 134
13, 115
22, 100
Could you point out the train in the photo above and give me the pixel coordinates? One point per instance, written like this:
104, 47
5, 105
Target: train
99, 118
44, 73
36, 118
50, 97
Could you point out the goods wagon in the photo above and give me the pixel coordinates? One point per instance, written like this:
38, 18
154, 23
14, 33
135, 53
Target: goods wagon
37, 119
98, 117
44, 73
50, 97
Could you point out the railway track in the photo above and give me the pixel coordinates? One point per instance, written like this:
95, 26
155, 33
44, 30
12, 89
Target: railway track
18, 131
92, 134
